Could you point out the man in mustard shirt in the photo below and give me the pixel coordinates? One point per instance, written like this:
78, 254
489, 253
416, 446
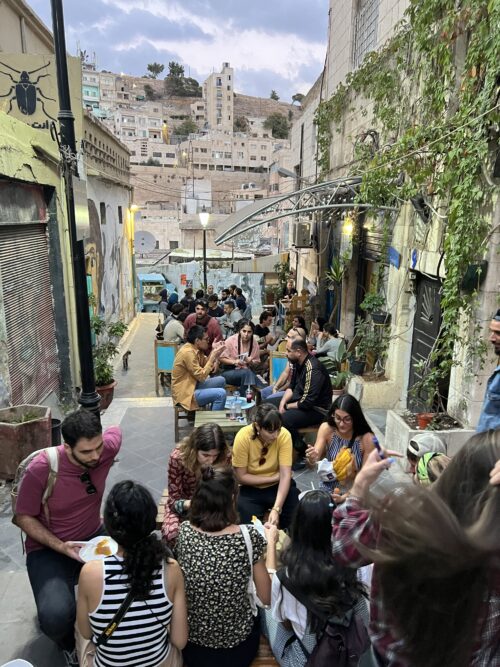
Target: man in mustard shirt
191, 384
262, 462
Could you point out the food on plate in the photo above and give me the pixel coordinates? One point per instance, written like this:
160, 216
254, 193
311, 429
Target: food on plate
102, 548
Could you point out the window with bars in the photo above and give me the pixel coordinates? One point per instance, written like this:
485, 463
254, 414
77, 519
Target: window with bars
365, 30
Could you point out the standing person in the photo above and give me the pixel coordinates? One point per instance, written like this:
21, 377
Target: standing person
490, 413
214, 310
289, 290
188, 300
310, 389
201, 318
241, 356
262, 462
205, 446
231, 317
210, 291
442, 541
174, 329
215, 560
345, 428
154, 627
191, 384
55, 531
241, 302
163, 305
309, 568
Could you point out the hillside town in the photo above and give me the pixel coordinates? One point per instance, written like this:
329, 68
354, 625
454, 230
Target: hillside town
249, 345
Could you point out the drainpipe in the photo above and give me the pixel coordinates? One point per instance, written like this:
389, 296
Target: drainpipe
88, 397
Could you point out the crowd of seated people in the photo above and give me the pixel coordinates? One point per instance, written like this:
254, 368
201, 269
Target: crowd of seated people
447, 526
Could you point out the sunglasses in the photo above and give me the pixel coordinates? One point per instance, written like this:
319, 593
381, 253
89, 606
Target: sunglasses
85, 479
263, 454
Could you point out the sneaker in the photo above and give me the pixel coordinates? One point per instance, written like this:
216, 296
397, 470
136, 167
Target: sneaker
71, 658
299, 464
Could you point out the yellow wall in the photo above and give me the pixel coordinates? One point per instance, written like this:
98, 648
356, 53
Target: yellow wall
21, 31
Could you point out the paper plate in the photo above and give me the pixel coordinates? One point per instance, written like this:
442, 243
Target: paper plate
90, 551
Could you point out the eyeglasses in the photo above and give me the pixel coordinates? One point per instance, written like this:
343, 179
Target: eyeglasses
343, 420
85, 478
263, 454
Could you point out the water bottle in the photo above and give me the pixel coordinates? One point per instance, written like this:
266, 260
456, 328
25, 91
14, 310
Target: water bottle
237, 405
232, 407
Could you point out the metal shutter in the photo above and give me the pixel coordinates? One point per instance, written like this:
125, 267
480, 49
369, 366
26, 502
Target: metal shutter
31, 344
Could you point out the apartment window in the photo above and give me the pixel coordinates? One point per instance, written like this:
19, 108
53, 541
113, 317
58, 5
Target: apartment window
365, 30
228, 155
229, 97
196, 149
203, 150
173, 245
218, 82
253, 157
157, 154
263, 147
240, 155
170, 155
263, 158
120, 215
102, 210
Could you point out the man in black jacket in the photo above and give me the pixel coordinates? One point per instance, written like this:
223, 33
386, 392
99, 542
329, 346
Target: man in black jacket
309, 397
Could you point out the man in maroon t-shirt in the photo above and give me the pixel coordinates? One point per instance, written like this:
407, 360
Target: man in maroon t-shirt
53, 543
203, 319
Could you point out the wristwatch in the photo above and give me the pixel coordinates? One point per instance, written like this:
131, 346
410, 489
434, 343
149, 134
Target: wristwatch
276, 508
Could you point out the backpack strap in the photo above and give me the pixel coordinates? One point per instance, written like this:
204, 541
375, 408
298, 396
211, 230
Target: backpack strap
303, 599
53, 458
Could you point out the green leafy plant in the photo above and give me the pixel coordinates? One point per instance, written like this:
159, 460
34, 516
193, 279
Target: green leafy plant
373, 342
372, 302
433, 90
105, 349
339, 380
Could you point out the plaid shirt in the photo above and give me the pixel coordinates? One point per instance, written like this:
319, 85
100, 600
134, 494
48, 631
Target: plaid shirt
352, 525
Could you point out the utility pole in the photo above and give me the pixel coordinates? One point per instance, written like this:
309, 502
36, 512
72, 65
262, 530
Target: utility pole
88, 397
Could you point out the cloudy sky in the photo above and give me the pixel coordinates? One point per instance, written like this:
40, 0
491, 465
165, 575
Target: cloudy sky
276, 44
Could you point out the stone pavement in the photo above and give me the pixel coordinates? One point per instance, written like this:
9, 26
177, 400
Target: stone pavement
147, 424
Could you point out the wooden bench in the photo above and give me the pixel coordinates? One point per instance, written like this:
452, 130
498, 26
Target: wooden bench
161, 509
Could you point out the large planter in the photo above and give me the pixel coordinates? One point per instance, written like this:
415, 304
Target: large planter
23, 430
398, 435
381, 317
106, 392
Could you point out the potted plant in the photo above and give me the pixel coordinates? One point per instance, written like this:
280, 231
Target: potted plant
372, 344
23, 430
373, 304
339, 382
104, 351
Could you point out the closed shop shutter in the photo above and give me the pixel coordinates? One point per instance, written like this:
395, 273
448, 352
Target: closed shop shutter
29, 313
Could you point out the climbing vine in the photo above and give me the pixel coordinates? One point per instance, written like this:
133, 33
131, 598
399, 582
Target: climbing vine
434, 95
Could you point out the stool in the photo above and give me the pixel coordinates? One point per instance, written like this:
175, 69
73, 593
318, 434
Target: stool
160, 516
180, 412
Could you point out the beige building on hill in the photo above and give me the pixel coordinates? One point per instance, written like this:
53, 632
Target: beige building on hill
218, 94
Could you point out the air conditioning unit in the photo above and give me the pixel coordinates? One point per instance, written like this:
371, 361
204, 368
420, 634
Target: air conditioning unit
302, 235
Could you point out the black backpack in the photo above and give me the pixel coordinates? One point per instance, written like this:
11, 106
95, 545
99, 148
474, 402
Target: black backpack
341, 642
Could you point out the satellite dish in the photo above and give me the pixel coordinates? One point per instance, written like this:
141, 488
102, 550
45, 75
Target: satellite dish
144, 242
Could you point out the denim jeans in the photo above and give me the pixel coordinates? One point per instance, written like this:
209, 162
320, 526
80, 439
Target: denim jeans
267, 393
240, 377
211, 391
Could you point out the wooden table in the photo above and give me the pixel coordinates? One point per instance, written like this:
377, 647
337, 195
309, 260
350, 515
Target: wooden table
218, 417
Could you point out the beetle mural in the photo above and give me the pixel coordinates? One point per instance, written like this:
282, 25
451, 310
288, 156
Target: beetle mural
25, 92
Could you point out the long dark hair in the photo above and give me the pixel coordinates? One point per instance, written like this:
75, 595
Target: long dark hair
213, 505
130, 519
436, 556
245, 323
203, 439
310, 564
349, 404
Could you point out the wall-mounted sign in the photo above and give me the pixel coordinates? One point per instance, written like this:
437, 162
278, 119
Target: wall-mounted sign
394, 257
414, 258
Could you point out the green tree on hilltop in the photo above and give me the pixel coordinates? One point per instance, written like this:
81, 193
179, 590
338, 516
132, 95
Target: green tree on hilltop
274, 95
154, 69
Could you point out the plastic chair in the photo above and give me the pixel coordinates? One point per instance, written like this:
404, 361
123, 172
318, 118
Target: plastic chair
277, 364
164, 359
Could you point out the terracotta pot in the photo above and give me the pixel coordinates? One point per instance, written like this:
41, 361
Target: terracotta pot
18, 439
106, 393
424, 419
338, 392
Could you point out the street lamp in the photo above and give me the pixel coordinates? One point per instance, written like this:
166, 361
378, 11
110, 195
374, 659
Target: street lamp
204, 218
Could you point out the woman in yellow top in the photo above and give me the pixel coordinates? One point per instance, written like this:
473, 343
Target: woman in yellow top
262, 461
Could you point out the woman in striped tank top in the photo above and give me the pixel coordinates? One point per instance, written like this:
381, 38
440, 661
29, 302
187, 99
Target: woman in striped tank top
345, 426
155, 625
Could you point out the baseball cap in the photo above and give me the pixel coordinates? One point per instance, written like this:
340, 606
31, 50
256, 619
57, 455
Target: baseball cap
422, 443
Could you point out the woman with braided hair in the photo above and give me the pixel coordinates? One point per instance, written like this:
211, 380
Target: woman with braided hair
154, 626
